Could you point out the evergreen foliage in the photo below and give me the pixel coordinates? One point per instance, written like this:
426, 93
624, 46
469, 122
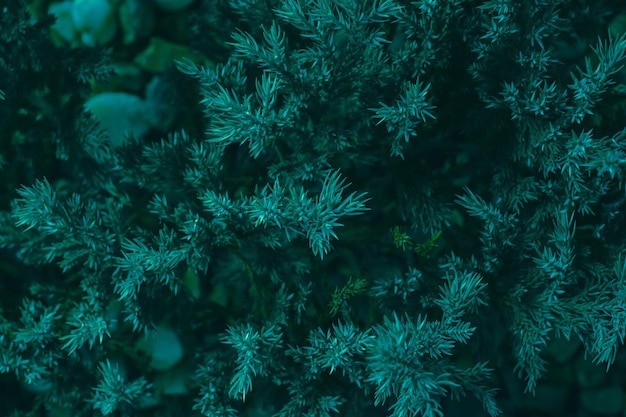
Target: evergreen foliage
476, 131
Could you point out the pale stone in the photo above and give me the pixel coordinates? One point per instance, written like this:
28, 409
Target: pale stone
121, 114
64, 25
164, 347
95, 20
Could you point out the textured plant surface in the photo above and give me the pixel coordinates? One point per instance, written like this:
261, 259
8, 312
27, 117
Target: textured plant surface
384, 202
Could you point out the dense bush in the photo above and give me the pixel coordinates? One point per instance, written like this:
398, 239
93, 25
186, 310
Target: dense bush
385, 201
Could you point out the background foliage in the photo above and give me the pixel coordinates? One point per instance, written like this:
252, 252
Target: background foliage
381, 202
